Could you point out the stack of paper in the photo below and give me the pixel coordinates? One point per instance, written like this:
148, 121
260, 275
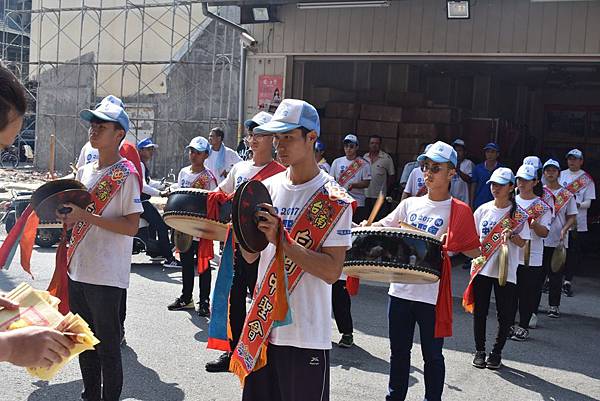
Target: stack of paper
39, 308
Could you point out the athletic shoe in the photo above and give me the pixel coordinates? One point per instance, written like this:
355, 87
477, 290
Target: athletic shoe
180, 304
221, 364
512, 330
494, 361
533, 321
553, 312
203, 309
346, 341
567, 288
479, 360
520, 334
173, 263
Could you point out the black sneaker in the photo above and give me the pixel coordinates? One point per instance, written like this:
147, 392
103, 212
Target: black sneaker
479, 360
221, 364
346, 341
203, 310
567, 288
520, 334
494, 361
180, 304
173, 263
553, 312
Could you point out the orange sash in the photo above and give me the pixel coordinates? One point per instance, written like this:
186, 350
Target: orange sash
203, 180
579, 183
315, 221
560, 199
351, 171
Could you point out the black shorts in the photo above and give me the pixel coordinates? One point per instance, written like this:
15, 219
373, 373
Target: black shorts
291, 374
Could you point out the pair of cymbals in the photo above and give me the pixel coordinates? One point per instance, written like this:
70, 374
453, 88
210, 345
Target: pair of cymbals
246, 203
51, 196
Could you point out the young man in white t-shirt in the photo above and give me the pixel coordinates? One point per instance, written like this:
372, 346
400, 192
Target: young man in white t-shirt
297, 366
583, 198
356, 181
100, 265
412, 304
244, 276
459, 187
221, 158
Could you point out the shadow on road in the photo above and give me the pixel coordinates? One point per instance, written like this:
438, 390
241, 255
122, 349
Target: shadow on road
358, 358
140, 383
155, 272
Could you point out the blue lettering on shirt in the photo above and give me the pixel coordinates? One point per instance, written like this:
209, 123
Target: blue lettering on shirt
439, 222
412, 217
288, 224
422, 226
137, 200
344, 232
433, 230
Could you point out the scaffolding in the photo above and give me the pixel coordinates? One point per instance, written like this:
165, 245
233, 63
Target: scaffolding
176, 70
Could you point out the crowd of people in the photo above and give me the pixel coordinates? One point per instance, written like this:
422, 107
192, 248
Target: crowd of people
484, 211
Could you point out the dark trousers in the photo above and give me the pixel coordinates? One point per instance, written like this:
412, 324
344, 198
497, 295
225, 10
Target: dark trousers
123, 312
529, 288
403, 315
156, 222
244, 281
340, 301
188, 272
291, 374
505, 299
384, 211
554, 280
101, 368
574, 254
360, 213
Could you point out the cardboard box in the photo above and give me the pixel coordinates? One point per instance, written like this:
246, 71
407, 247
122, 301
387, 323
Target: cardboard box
372, 96
337, 126
380, 113
405, 99
349, 111
425, 132
319, 97
430, 115
381, 128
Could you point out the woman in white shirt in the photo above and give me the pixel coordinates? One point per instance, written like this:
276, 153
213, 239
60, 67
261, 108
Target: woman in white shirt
487, 216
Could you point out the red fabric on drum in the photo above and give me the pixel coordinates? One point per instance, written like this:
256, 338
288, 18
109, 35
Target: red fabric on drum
462, 236
352, 284
130, 152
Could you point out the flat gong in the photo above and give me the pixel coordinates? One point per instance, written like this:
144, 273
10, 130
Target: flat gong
50, 197
245, 204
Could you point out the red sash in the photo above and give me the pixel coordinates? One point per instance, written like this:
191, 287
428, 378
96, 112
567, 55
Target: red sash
579, 183
537, 209
351, 171
203, 180
489, 245
268, 171
315, 221
561, 199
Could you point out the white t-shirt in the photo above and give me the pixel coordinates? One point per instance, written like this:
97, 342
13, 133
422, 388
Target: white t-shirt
459, 189
416, 181
427, 215
186, 178
381, 169
231, 158
151, 187
587, 193
486, 216
559, 221
104, 257
239, 174
323, 165
536, 248
310, 302
87, 155
340, 165
408, 168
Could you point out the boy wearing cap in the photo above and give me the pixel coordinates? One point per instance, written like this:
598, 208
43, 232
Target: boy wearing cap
428, 305
316, 215
221, 158
581, 184
459, 188
99, 253
480, 191
261, 167
195, 176
320, 158
565, 217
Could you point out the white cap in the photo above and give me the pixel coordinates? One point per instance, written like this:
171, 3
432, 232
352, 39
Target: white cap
575, 153
200, 144
351, 138
292, 114
459, 142
440, 152
533, 161
502, 176
526, 172
553, 163
261, 118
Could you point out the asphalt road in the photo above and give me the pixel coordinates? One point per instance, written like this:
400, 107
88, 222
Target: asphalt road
166, 351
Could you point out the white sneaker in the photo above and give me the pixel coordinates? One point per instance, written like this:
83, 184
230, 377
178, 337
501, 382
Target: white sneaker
533, 321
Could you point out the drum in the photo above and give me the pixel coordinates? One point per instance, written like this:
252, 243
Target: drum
50, 197
245, 204
394, 255
187, 211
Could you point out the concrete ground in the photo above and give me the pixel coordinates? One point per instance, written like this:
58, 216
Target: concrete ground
166, 351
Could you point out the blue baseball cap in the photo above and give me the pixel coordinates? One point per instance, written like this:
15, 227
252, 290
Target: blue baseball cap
533, 161
502, 176
575, 153
491, 146
319, 146
526, 172
260, 118
200, 144
551, 163
146, 143
111, 109
439, 152
292, 114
